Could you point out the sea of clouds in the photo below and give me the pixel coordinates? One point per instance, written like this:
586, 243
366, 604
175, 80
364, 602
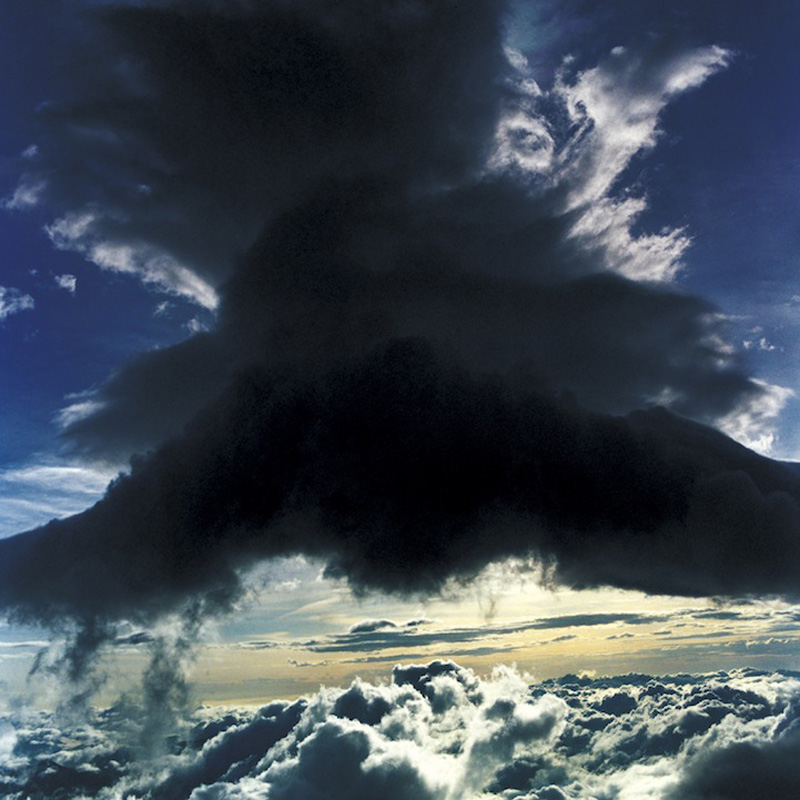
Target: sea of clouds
434, 731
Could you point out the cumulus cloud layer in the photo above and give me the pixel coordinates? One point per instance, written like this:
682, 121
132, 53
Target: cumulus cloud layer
439, 731
431, 302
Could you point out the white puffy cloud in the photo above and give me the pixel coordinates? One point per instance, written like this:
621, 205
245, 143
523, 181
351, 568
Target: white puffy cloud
439, 731
67, 282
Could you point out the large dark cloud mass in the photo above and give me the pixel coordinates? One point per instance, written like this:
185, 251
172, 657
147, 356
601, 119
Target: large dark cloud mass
435, 325
401, 470
439, 731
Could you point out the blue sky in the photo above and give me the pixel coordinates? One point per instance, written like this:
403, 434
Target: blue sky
602, 204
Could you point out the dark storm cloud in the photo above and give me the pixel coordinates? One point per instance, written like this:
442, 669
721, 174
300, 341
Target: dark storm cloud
371, 625
416, 356
211, 124
612, 343
401, 472
196, 113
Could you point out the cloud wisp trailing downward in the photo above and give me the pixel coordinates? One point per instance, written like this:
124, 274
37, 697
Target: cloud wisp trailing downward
438, 339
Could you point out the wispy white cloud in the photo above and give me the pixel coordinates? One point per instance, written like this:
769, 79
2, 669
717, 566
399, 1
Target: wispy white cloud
27, 194
81, 405
523, 141
612, 113
615, 108
58, 477
26, 644
79, 232
753, 421
606, 225
33, 494
12, 301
